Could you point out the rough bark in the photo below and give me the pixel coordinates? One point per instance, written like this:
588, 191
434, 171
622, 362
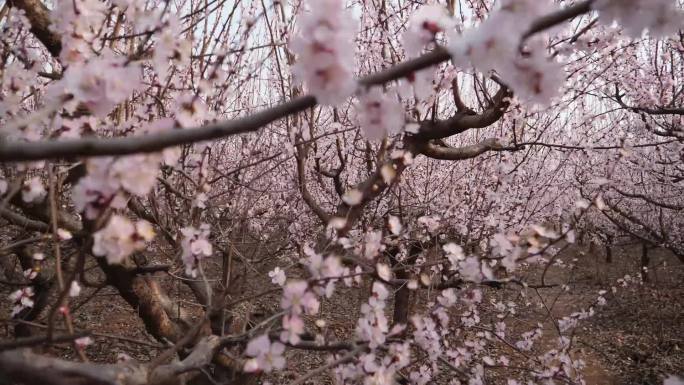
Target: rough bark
39, 17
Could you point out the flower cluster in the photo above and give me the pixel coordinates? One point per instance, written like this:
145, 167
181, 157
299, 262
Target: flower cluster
107, 177
277, 276
660, 17
169, 46
266, 355
22, 299
196, 246
121, 238
425, 24
325, 50
99, 84
298, 299
33, 190
495, 46
373, 326
324, 270
379, 114
77, 22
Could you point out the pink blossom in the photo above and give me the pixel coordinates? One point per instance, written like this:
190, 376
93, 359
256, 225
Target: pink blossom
64, 235
660, 17
373, 325
267, 356
293, 327
277, 276
454, 254
22, 299
191, 111
33, 190
394, 225
379, 114
120, 238
195, 247
297, 299
107, 177
373, 244
384, 271
448, 298
100, 84
352, 197
473, 270
169, 46
494, 45
424, 25
325, 51
83, 342
137, 174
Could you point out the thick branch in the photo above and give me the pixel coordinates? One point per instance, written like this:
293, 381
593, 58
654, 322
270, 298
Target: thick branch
22, 221
39, 17
437, 151
466, 120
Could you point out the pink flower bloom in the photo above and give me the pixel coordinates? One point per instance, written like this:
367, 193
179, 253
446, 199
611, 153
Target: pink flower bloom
64, 235
373, 244
454, 254
424, 25
120, 238
169, 46
473, 270
674, 380
379, 114
266, 355
448, 298
379, 296
293, 327
107, 176
33, 190
382, 376
394, 225
76, 21
100, 84
297, 299
325, 50
30, 274
431, 223
191, 111
21, 299
196, 246
660, 17
137, 174
277, 276
353, 197
384, 271
83, 342
493, 45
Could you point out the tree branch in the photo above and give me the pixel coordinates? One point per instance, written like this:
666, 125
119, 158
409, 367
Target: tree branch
437, 151
39, 17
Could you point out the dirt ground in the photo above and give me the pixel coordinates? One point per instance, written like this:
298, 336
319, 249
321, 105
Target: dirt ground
638, 336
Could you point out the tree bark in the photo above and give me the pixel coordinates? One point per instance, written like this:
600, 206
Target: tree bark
39, 17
